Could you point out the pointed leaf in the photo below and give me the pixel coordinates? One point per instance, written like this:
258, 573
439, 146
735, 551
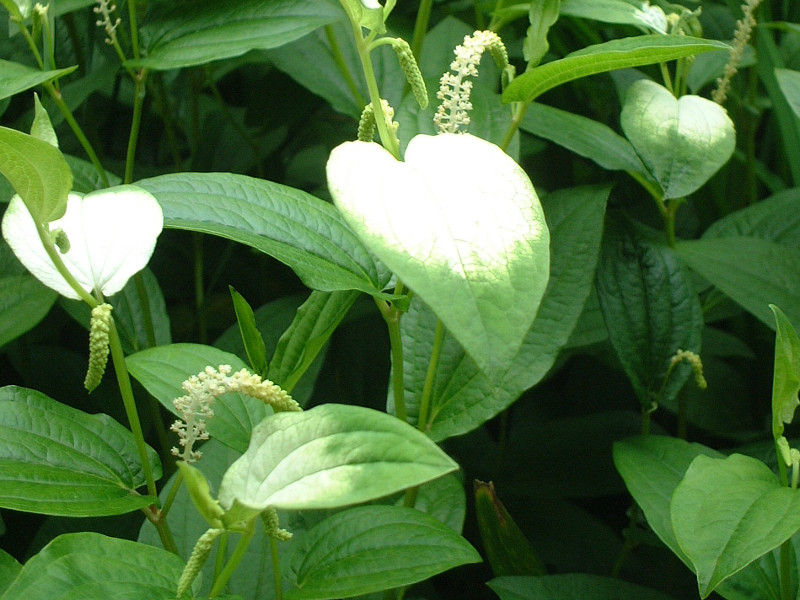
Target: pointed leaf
728, 512
460, 223
541, 14
37, 172
302, 231
9, 569
251, 337
161, 371
786, 374
752, 272
92, 566
57, 460
650, 308
683, 141
199, 32
16, 77
508, 550
332, 455
464, 397
789, 82
608, 56
373, 548
622, 12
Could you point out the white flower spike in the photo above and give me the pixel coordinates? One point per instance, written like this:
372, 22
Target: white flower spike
112, 234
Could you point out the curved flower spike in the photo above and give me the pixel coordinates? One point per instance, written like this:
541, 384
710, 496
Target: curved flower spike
111, 233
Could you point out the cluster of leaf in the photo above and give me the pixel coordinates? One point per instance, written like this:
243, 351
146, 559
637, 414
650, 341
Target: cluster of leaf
244, 103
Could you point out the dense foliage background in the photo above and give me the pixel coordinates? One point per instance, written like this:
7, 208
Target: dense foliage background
276, 114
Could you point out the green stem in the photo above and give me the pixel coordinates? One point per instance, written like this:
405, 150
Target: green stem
76, 129
276, 568
132, 17
388, 139
233, 562
136, 122
786, 569
392, 317
173, 492
520, 108
421, 27
425, 399
199, 292
341, 64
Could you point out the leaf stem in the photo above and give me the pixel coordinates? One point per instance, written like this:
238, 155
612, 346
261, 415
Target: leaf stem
341, 64
136, 122
427, 388
421, 27
238, 554
276, 568
519, 110
392, 317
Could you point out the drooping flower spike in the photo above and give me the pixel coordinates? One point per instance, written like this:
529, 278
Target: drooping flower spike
108, 236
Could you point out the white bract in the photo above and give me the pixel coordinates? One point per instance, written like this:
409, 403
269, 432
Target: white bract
460, 224
112, 234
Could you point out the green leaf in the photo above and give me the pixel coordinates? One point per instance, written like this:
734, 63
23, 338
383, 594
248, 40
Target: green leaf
774, 219
330, 456
57, 460
608, 56
23, 303
728, 512
9, 569
652, 467
621, 12
253, 579
572, 586
508, 550
42, 128
460, 224
752, 272
789, 82
786, 374
683, 141
369, 18
290, 225
463, 397
312, 327
161, 371
251, 336
444, 499
199, 32
373, 548
92, 566
16, 77
38, 173
650, 309
591, 139
542, 14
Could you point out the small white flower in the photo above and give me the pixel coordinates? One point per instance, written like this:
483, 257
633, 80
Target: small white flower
111, 233
371, 4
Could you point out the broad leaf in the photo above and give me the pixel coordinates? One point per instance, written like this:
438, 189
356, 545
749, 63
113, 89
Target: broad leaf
652, 467
682, 141
57, 460
92, 566
786, 374
728, 512
38, 173
508, 550
608, 56
591, 139
572, 586
23, 303
463, 397
460, 224
16, 77
9, 569
290, 225
161, 371
753, 272
650, 309
330, 456
774, 219
198, 32
623, 12
373, 548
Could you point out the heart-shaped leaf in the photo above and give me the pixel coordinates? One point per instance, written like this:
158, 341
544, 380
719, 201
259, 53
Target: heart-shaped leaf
728, 512
682, 141
460, 223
